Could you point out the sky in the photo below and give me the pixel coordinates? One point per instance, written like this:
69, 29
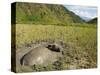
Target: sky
85, 12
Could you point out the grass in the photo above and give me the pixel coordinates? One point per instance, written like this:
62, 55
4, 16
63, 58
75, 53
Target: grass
29, 13
81, 38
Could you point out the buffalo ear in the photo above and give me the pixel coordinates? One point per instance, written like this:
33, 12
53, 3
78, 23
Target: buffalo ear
49, 46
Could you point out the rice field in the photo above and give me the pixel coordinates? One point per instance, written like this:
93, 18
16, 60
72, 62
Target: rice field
81, 38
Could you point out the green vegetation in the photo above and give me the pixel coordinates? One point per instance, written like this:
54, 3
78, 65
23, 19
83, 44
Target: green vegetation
42, 22
29, 13
80, 39
83, 36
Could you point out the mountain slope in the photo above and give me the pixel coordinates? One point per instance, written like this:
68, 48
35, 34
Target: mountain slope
44, 14
93, 21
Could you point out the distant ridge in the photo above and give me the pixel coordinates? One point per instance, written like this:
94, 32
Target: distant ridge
94, 20
35, 13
